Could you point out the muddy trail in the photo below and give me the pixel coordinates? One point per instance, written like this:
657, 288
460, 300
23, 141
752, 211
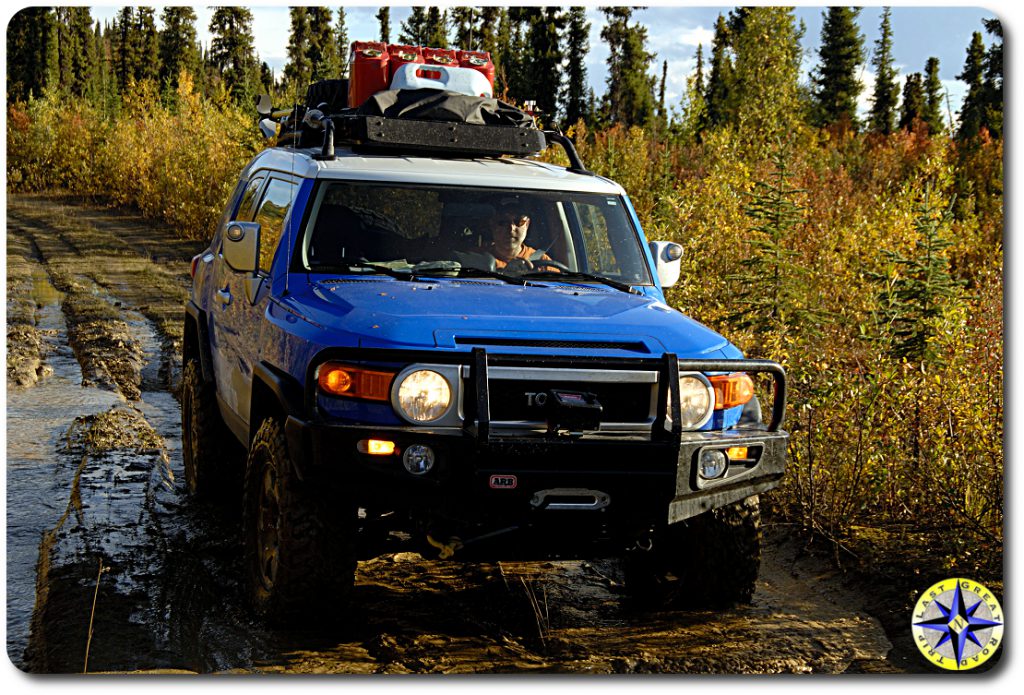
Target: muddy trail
111, 567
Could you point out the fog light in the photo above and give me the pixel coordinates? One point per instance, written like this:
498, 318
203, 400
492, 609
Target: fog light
712, 464
418, 459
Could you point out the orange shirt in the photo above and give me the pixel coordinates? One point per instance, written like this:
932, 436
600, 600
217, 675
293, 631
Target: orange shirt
525, 253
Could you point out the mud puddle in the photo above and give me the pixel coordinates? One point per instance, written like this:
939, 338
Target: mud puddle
38, 476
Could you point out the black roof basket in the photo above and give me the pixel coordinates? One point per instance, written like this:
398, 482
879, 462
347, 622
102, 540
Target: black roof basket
323, 123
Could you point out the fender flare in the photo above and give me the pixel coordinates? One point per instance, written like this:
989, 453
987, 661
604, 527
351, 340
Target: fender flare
275, 392
196, 319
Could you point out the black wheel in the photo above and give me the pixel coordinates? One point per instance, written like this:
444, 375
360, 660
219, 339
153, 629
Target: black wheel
299, 538
711, 560
212, 456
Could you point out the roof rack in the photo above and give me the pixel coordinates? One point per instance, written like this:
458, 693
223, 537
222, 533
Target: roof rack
325, 123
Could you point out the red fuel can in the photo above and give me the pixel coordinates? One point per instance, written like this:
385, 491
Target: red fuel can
400, 55
441, 56
368, 71
479, 61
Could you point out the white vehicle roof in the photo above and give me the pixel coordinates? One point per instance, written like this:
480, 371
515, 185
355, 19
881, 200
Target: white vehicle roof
506, 172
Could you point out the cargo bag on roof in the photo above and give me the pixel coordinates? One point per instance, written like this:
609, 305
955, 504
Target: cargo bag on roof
448, 107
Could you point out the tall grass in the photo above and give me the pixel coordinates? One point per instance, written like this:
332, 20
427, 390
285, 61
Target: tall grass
174, 161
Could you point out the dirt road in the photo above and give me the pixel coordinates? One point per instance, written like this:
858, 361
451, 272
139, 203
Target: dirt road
100, 529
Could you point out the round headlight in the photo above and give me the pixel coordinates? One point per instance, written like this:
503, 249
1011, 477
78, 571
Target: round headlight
424, 396
696, 401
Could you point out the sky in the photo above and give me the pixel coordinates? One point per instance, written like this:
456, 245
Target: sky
674, 33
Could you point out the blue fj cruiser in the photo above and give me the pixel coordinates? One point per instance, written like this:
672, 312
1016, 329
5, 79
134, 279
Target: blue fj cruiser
401, 364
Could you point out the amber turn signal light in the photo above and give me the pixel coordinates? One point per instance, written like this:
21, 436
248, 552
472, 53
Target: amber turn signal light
736, 453
376, 447
354, 382
732, 390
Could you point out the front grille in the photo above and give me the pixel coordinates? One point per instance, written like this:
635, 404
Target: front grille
555, 344
510, 400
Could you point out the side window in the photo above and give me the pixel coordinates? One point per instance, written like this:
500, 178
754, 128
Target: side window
252, 189
600, 257
274, 206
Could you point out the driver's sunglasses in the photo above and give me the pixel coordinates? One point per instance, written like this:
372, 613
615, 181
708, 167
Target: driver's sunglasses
515, 221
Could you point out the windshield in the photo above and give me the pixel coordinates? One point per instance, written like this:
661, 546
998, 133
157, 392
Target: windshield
368, 227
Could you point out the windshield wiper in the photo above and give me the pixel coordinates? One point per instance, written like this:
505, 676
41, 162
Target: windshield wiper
471, 271
577, 275
382, 269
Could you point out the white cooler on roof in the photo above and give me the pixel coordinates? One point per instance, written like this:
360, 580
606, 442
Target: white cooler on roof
452, 79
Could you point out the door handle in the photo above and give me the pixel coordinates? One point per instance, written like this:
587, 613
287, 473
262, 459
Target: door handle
223, 297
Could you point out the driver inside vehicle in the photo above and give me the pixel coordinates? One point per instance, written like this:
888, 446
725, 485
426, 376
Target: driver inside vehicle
509, 227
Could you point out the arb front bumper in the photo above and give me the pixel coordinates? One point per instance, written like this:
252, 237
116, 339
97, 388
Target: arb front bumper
484, 468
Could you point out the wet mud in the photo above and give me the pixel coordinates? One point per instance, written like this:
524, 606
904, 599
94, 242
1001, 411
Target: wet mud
113, 568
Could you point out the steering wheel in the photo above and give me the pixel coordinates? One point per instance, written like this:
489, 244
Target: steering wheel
546, 263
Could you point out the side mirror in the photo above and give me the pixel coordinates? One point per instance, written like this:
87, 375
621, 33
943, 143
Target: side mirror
263, 105
268, 128
666, 260
242, 246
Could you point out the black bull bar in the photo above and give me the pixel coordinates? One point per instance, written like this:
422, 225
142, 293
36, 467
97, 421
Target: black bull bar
668, 374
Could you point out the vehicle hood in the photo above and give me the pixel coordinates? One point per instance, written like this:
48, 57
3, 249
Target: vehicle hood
453, 313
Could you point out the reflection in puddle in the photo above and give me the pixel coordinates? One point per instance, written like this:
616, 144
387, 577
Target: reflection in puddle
38, 479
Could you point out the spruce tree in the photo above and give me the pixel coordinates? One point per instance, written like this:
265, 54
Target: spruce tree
31, 36
384, 19
577, 44
693, 118
298, 69
413, 31
662, 115
771, 297
835, 82
718, 94
342, 44
76, 49
231, 50
436, 28
917, 290
766, 76
490, 21
698, 74
148, 65
126, 47
107, 85
322, 52
178, 44
544, 58
503, 57
882, 116
913, 106
629, 99
463, 21
972, 112
993, 88
514, 57
933, 97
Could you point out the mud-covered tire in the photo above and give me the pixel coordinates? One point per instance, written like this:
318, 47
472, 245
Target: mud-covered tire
711, 560
299, 538
212, 457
